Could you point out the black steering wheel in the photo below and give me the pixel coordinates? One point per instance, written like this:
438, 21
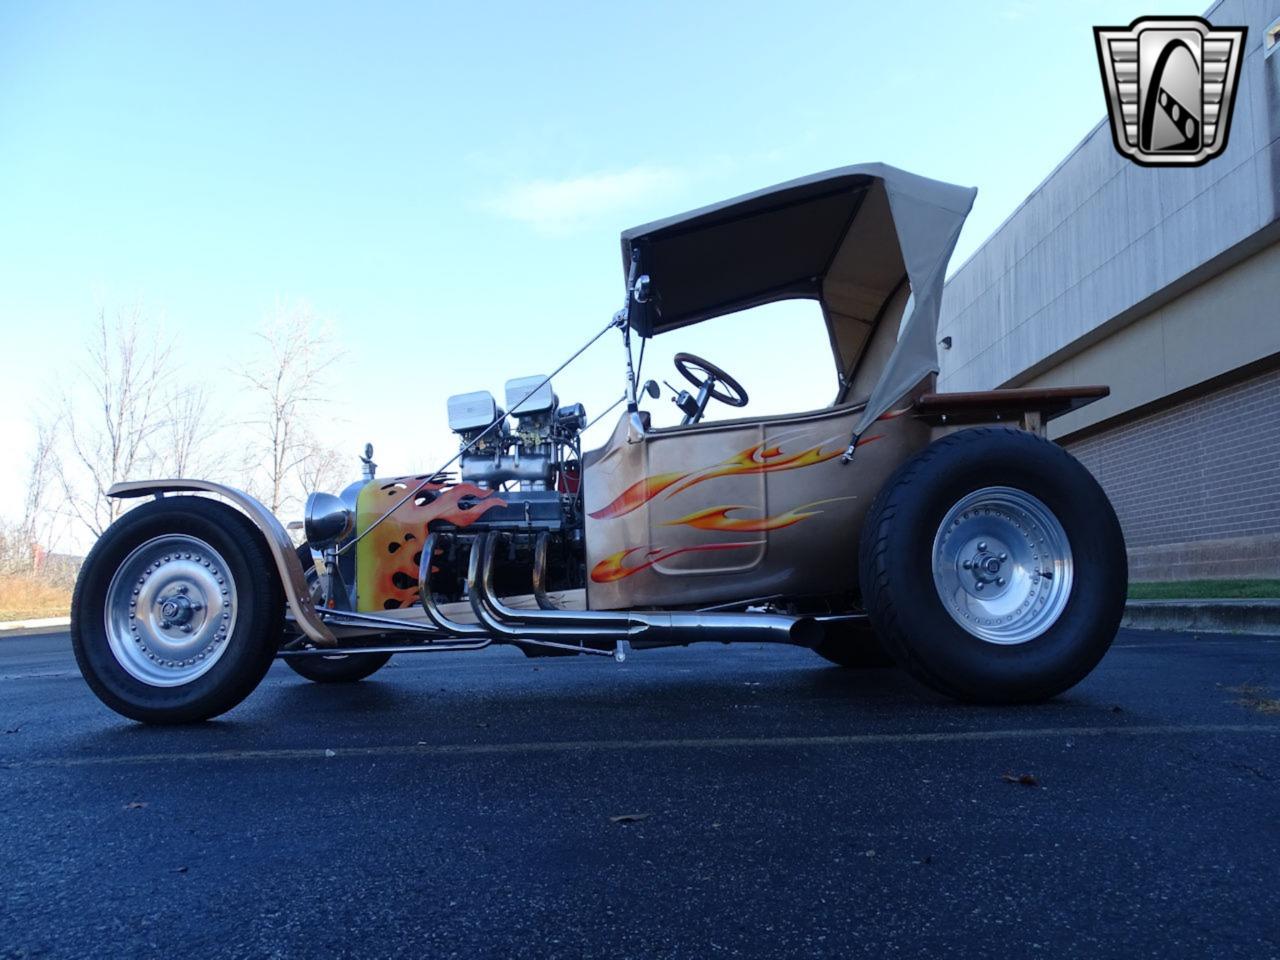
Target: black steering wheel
690, 365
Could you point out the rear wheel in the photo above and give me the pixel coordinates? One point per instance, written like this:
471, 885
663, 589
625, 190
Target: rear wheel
339, 668
177, 611
993, 567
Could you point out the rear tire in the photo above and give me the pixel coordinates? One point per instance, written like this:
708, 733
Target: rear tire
342, 668
993, 567
177, 611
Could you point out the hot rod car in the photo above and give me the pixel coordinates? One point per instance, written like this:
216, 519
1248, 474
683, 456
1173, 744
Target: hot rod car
943, 531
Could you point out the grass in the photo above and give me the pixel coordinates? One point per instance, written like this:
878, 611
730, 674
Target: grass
1206, 590
27, 597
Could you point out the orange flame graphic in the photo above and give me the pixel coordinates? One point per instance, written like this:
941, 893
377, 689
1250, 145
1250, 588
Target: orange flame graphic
612, 569
759, 459
753, 460
638, 494
717, 518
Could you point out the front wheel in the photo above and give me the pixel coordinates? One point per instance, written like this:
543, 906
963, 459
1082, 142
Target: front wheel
177, 611
993, 567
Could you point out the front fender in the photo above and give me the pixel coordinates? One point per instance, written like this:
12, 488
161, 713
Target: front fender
292, 577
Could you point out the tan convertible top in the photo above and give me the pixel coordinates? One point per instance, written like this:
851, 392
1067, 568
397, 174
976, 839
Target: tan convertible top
855, 239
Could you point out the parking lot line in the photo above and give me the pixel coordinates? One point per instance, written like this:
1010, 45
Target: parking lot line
587, 746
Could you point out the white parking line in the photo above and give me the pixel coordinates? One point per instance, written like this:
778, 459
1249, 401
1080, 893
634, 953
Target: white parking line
589, 746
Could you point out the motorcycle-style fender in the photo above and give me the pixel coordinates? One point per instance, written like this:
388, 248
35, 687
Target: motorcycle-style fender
292, 577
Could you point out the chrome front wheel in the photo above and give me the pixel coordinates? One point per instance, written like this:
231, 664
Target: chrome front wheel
169, 610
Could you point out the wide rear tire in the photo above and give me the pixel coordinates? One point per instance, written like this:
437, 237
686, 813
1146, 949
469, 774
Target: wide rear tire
343, 668
993, 567
177, 611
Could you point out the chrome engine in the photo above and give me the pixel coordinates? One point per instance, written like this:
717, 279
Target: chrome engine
544, 437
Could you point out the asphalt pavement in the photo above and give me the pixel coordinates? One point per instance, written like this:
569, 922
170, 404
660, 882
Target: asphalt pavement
744, 801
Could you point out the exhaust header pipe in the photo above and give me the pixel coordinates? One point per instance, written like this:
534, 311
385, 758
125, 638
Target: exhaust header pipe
587, 629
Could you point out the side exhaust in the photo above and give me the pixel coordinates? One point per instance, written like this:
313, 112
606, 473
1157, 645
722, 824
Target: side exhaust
598, 631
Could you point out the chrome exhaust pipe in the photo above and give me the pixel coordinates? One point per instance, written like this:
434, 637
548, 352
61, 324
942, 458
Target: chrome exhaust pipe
639, 628
433, 612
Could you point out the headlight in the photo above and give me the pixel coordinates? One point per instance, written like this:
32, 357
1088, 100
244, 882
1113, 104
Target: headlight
328, 520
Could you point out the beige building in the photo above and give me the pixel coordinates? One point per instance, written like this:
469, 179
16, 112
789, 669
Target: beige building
1165, 285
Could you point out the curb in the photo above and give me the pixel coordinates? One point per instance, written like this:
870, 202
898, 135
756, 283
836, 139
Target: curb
26, 628
1204, 616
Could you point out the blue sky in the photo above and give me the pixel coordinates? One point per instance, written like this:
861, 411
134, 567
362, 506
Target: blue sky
446, 183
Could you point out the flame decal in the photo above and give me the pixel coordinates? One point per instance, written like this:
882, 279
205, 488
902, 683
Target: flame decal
638, 494
612, 568
894, 414
759, 459
446, 505
717, 518
754, 460
387, 558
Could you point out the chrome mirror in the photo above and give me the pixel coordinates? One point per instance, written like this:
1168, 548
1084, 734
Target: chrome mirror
642, 289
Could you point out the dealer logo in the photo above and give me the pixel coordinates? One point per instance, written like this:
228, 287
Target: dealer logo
1170, 84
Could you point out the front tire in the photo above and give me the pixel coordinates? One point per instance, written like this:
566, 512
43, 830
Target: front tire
177, 611
993, 567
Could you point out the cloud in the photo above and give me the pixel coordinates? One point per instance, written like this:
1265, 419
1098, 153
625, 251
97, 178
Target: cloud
559, 207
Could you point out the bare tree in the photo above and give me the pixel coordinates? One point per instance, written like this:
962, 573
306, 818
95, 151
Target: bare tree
111, 421
287, 381
35, 530
187, 433
323, 468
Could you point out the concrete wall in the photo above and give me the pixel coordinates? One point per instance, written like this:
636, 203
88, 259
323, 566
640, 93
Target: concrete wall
1223, 324
1102, 242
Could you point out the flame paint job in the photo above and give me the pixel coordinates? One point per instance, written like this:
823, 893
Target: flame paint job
653, 517
758, 459
638, 494
717, 518
387, 559
612, 568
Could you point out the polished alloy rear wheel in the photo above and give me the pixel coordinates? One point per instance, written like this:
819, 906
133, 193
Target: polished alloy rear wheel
1002, 565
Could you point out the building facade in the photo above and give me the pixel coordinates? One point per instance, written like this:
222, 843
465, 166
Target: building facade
1165, 285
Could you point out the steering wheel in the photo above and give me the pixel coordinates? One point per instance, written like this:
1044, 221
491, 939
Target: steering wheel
690, 365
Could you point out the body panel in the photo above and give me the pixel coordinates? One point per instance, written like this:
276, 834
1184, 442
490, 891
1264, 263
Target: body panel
729, 511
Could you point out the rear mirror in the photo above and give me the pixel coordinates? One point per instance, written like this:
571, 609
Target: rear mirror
651, 388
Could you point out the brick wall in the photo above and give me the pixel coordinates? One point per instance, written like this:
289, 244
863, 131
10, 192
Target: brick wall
1197, 485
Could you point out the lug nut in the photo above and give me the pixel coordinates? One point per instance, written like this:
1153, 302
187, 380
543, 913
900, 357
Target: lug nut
979, 585
1000, 581
982, 545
